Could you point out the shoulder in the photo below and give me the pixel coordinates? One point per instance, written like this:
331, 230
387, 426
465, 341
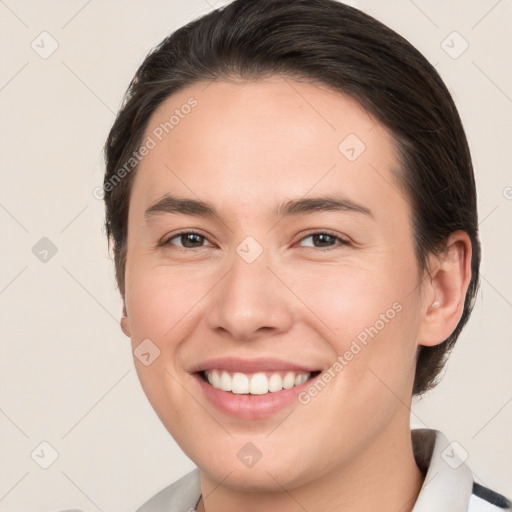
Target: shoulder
180, 496
484, 499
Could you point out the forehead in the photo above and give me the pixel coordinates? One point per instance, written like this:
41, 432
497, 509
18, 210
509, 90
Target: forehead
251, 144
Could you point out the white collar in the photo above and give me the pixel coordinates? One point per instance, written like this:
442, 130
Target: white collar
448, 481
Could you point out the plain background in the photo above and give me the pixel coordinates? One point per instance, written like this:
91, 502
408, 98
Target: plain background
67, 375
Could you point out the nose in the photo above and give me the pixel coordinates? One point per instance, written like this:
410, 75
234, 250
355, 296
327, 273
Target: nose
250, 302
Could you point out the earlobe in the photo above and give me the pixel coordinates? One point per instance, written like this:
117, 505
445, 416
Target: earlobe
446, 290
125, 322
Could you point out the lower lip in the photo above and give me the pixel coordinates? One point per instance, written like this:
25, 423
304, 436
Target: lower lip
251, 407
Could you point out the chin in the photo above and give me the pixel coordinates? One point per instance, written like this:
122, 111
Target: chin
264, 476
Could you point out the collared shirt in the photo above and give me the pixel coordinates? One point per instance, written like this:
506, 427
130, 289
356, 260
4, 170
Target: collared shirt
448, 484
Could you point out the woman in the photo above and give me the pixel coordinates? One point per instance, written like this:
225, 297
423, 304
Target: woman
291, 201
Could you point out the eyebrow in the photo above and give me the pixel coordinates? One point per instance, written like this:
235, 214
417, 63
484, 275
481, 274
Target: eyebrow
170, 204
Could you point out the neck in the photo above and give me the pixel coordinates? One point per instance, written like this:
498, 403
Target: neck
384, 477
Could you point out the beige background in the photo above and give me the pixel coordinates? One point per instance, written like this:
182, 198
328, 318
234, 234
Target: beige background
67, 375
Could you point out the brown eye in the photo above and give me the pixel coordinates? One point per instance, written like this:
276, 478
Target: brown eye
188, 240
323, 239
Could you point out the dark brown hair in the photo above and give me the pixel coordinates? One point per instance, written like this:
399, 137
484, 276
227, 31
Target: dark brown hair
331, 43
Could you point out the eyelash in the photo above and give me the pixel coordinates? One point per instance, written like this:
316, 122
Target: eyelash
342, 241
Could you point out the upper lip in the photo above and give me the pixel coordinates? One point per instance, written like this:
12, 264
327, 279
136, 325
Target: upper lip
236, 364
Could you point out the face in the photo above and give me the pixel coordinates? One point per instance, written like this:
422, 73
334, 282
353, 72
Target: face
294, 255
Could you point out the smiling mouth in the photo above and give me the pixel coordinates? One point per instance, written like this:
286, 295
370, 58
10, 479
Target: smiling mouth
257, 383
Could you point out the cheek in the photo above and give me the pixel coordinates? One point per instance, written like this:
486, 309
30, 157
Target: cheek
162, 307
369, 316
349, 297
159, 299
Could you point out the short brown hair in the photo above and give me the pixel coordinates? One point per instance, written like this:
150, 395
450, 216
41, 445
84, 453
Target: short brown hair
331, 43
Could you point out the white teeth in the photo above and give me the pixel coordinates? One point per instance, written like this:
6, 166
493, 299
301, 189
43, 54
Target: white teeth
215, 380
300, 379
289, 380
240, 383
225, 382
256, 383
275, 383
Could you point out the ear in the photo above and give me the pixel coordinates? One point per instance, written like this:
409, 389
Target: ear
125, 322
445, 290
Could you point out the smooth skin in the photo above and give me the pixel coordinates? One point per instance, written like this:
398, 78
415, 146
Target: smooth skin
248, 147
